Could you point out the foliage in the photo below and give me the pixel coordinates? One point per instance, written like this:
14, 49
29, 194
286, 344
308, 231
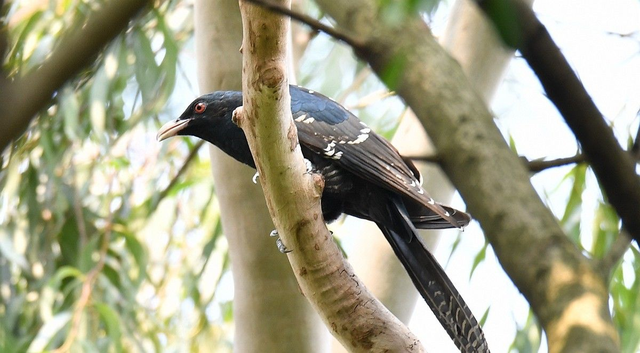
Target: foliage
112, 242
96, 250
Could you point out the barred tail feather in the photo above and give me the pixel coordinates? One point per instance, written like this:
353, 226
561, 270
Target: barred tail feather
433, 284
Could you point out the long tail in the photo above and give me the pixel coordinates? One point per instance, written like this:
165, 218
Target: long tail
433, 284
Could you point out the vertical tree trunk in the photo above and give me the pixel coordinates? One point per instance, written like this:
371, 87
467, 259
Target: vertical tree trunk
270, 313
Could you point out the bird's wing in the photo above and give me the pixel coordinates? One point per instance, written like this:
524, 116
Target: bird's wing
327, 128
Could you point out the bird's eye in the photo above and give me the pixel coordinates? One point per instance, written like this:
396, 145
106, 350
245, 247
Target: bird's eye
200, 108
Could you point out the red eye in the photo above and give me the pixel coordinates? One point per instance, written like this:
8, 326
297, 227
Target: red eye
200, 108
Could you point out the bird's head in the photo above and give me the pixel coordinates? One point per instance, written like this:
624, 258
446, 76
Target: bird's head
203, 116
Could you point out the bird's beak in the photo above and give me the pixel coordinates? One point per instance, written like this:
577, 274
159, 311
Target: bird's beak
171, 129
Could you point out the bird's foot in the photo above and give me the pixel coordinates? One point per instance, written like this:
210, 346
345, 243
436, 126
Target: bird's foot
255, 178
283, 249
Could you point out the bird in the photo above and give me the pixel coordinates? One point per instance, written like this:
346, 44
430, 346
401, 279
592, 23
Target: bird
365, 177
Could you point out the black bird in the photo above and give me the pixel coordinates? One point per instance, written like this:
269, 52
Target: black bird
365, 177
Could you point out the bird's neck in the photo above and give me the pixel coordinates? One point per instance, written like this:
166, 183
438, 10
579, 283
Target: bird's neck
229, 137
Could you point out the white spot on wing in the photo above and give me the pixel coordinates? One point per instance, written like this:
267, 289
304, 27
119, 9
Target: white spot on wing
337, 155
330, 146
365, 130
309, 121
301, 117
330, 150
361, 138
431, 202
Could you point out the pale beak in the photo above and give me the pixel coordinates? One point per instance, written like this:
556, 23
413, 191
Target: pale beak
171, 129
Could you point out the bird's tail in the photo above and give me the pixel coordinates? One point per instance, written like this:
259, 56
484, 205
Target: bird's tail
433, 284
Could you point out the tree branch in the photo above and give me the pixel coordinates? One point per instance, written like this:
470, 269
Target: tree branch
293, 196
612, 166
22, 98
534, 166
262, 322
311, 22
557, 280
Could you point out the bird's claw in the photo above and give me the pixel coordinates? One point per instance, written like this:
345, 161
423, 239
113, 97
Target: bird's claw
283, 249
255, 178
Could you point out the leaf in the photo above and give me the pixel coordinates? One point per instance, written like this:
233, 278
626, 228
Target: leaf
571, 218
605, 229
527, 339
504, 17
48, 331
146, 69
136, 249
480, 256
10, 253
70, 108
98, 103
484, 317
112, 324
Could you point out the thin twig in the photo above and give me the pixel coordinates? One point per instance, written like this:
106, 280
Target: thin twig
371, 98
356, 43
536, 166
434, 158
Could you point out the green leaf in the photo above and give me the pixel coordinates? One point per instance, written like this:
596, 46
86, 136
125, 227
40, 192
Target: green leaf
136, 249
571, 218
480, 256
70, 108
504, 17
98, 103
146, 69
48, 331
527, 339
9, 252
112, 323
605, 229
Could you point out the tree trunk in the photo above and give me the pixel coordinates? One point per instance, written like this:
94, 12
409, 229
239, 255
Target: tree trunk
270, 313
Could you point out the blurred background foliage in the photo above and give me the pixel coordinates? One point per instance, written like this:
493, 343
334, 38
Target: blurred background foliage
110, 241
